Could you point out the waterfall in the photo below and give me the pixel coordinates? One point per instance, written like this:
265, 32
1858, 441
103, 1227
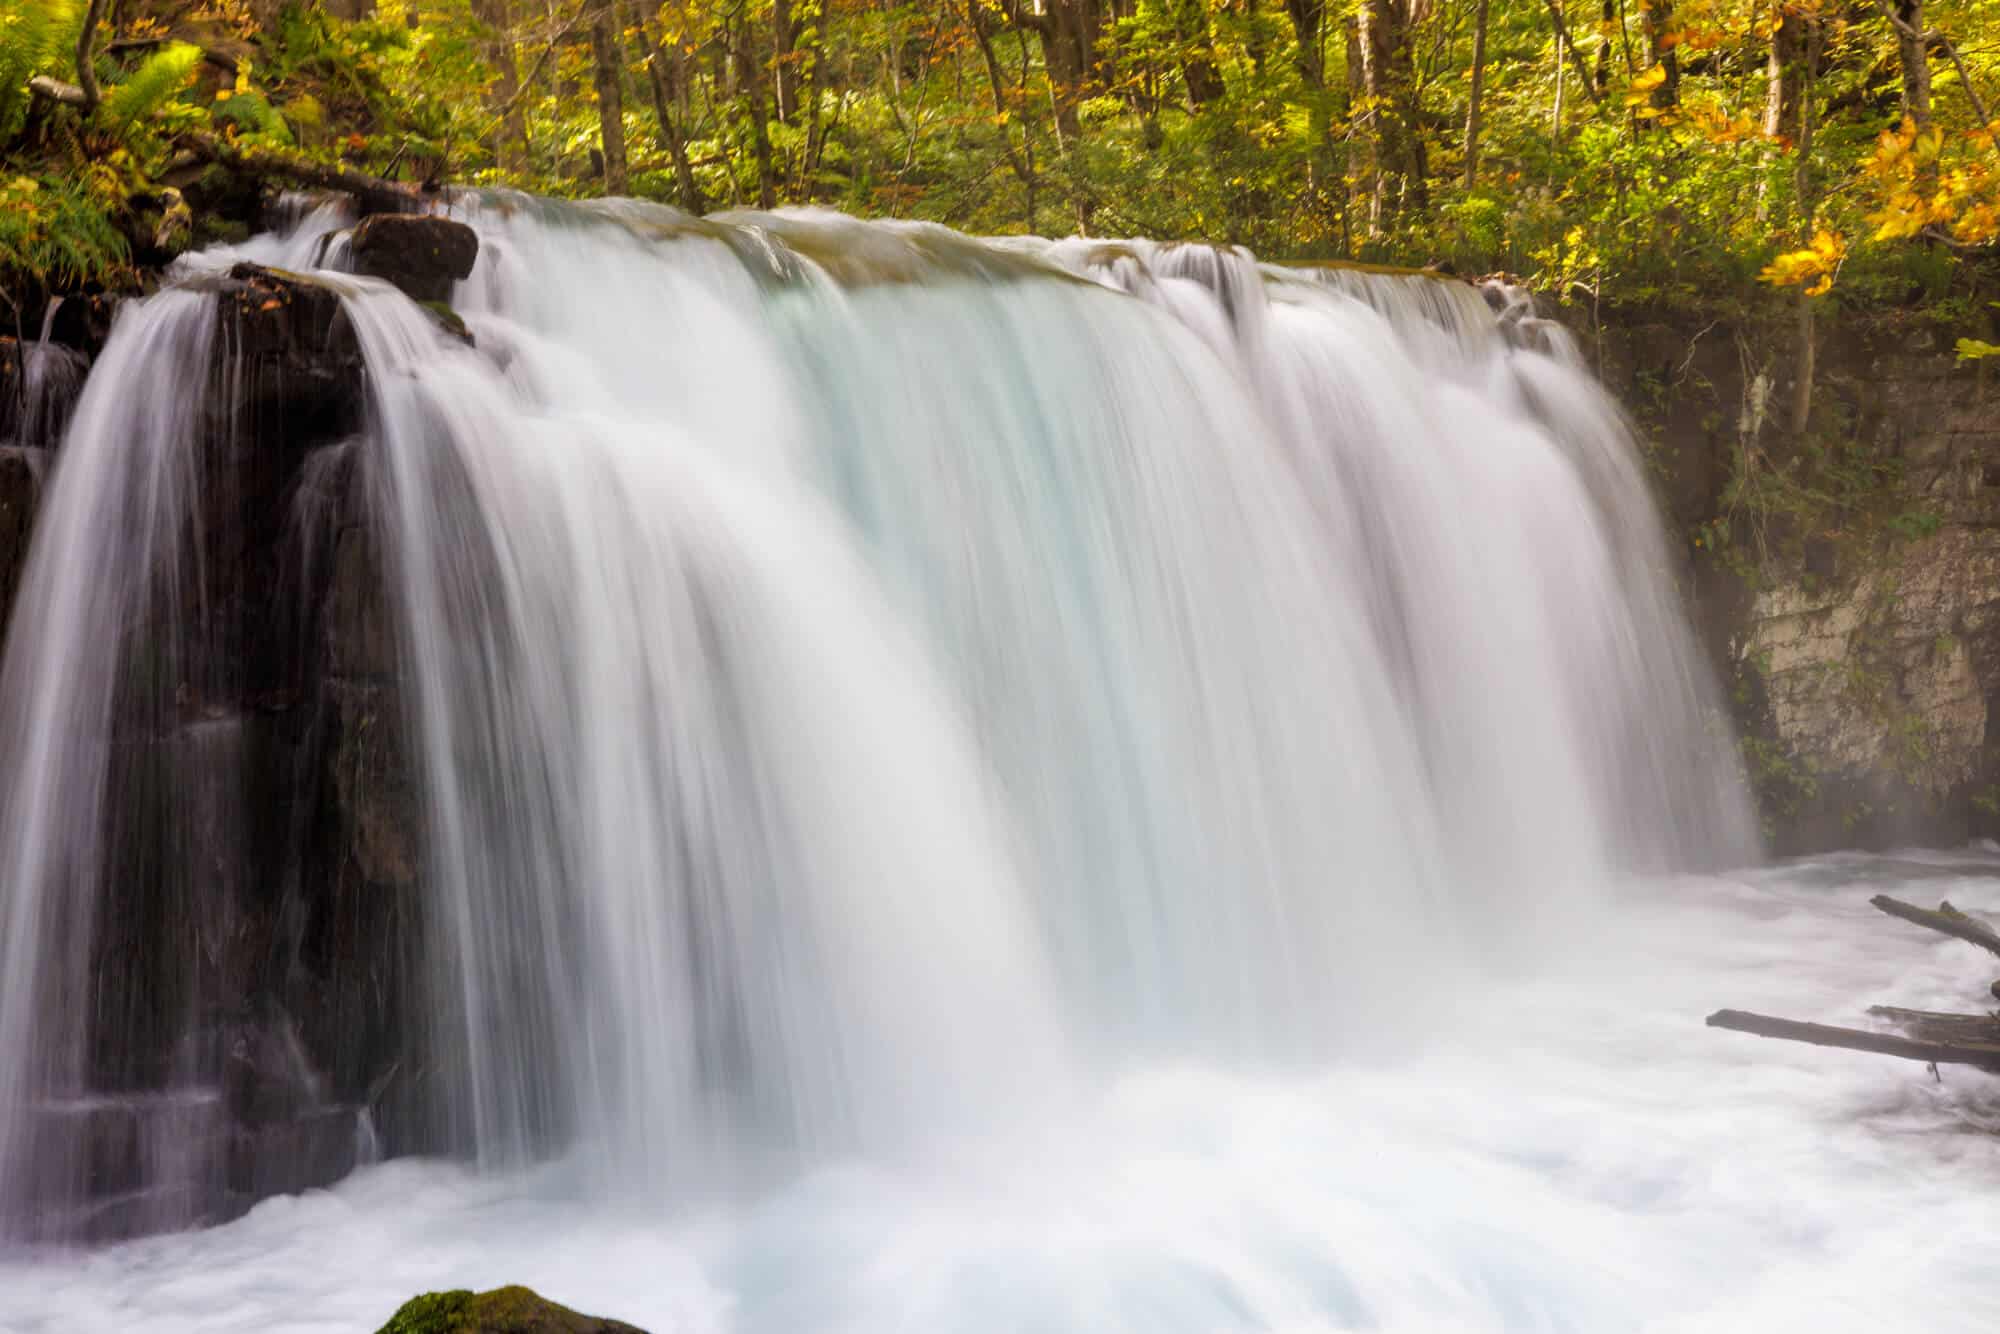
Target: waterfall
859, 680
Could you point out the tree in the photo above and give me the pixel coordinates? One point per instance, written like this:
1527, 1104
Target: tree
1474, 94
608, 68
1388, 79
1906, 19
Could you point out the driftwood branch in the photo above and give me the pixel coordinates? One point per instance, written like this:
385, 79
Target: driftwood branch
376, 195
55, 90
1985, 1055
1931, 1026
1946, 919
86, 57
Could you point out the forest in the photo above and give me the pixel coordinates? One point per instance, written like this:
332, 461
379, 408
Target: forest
1638, 149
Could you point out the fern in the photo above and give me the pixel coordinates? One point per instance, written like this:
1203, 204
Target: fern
163, 75
55, 232
36, 37
252, 114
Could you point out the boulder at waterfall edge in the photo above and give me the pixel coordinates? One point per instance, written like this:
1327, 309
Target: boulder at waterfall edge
510, 1310
422, 255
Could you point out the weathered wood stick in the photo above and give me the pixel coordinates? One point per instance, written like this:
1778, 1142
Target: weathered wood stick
1984, 1055
55, 90
1946, 919
1931, 1026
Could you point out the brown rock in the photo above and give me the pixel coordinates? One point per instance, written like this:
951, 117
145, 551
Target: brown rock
423, 255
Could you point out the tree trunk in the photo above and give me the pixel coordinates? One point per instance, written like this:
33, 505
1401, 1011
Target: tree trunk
1658, 18
750, 77
1388, 77
784, 75
1198, 66
1565, 42
1784, 76
510, 136
1608, 15
1308, 23
661, 71
1807, 354
1472, 107
605, 48
86, 55
1906, 18
1021, 163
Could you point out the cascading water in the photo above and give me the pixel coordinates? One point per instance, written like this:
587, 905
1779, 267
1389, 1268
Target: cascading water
868, 691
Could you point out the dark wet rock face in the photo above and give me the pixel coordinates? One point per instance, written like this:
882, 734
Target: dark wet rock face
252, 1029
40, 382
512, 1310
422, 255
20, 488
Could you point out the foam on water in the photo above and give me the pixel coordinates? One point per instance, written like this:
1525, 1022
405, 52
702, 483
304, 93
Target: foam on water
1574, 1153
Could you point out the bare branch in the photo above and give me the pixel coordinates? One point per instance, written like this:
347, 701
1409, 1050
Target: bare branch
86, 59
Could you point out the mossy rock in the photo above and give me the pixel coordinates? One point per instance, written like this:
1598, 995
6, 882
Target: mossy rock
448, 320
511, 1310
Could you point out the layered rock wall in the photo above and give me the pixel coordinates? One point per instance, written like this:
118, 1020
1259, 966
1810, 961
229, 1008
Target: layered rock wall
1846, 578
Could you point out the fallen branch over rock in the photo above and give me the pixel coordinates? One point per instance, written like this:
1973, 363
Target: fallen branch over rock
1946, 918
1926, 1035
376, 195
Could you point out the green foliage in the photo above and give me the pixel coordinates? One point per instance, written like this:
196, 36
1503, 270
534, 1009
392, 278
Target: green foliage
36, 37
59, 232
389, 92
463, 1312
1912, 525
1598, 175
430, 1313
1781, 783
163, 76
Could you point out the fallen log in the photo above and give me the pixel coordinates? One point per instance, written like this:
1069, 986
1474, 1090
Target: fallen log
1933, 1026
1984, 1055
376, 195
1945, 919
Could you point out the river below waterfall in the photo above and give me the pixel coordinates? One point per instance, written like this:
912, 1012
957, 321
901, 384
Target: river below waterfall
1572, 1150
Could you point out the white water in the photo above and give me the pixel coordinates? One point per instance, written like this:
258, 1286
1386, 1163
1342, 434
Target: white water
963, 799
1574, 1152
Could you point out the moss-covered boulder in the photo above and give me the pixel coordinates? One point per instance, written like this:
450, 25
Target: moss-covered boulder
511, 1310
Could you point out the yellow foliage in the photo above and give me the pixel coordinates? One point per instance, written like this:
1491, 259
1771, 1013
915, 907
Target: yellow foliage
1915, 187
1815, 265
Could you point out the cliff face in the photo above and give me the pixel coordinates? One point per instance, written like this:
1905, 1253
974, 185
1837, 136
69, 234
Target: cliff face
258, 940
1846, 578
